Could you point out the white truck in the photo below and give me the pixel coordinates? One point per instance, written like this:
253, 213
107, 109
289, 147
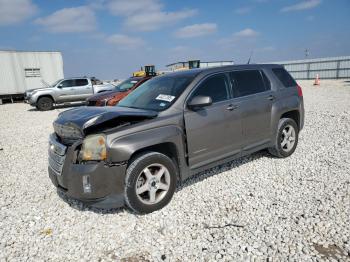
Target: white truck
65, 91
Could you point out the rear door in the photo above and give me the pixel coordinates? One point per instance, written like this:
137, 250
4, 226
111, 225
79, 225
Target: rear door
82, 89
252, 91
210, 130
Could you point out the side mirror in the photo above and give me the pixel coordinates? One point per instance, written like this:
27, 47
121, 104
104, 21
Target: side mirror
60, 86
199, 102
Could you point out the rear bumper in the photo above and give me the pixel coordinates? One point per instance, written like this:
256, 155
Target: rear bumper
302, 115
105, 183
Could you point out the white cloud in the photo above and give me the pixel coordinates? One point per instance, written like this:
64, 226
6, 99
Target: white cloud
243, 10
308, 4
246, 35
69, 20
16, 11
248, 32
146, 15
156, 20
196, 30
125, 42
129, 7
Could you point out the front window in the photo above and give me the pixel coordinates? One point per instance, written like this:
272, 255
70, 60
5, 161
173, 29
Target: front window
215, 87
67, 83
158, 93
126, 85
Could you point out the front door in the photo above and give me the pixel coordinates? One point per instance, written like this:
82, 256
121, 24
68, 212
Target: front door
65, 91
213, 132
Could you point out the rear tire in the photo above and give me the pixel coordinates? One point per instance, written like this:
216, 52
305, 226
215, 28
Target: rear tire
44, 103
286, 138
150, 182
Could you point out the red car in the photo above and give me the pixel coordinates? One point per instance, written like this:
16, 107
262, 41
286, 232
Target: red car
111, 98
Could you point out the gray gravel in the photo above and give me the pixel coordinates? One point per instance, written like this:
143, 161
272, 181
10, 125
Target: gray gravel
256, 207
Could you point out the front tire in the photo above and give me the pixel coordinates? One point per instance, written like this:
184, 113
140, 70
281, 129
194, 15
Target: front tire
44, 103
150, 182
286, 138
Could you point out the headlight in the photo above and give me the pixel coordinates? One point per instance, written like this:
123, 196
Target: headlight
94, 148
67, 131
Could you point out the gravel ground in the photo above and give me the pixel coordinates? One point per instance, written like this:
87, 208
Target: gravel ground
256, 207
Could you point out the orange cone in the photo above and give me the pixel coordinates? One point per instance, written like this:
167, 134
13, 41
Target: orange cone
317, 80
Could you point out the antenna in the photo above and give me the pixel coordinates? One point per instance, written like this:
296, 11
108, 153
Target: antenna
250, 57
307, 53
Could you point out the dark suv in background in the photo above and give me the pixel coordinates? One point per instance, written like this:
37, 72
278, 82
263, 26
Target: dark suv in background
171, 127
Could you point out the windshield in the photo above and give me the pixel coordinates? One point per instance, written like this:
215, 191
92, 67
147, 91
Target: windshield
55, 83
158, 93
126, 85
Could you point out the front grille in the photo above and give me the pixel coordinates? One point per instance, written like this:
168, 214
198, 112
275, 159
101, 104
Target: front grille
66, 141
57, 155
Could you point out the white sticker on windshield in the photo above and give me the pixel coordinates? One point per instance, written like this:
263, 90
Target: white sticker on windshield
166, 98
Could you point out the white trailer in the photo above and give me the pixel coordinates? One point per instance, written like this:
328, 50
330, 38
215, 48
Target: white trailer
23, 70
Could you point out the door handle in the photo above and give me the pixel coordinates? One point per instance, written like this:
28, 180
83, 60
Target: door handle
231, 107
271, 97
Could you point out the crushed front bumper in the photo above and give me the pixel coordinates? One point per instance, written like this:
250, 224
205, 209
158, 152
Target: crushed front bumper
95, 184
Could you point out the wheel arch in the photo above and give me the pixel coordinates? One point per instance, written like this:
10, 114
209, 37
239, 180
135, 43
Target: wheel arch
46, 95
167, 140
292, 114
167, 148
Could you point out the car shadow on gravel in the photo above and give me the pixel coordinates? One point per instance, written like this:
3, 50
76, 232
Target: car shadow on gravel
222, 168
64, 106
78, 205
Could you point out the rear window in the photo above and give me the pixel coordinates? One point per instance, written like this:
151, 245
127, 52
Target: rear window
247, 82
284, 77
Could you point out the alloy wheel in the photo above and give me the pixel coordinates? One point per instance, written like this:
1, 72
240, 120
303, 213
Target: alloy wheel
288, 138
153, 184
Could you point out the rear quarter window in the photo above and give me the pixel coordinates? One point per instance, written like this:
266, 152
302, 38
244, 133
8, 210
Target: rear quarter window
285, 78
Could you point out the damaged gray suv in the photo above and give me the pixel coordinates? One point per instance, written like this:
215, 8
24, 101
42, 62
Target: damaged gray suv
170, 128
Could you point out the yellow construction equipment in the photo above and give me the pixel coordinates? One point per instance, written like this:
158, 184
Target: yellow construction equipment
148, 70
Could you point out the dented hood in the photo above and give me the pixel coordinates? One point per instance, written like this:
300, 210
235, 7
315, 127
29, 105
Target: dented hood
87, 118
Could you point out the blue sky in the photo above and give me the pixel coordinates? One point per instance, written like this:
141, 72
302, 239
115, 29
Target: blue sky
112, 38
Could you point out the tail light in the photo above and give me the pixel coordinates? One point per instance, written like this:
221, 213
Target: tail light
300, 92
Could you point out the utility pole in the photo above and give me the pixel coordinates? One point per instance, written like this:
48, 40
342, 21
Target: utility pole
307, 53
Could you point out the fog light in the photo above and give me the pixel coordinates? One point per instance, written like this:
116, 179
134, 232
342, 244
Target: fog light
86, 184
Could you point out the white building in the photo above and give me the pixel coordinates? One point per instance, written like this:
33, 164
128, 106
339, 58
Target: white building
179, 65
22, 70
